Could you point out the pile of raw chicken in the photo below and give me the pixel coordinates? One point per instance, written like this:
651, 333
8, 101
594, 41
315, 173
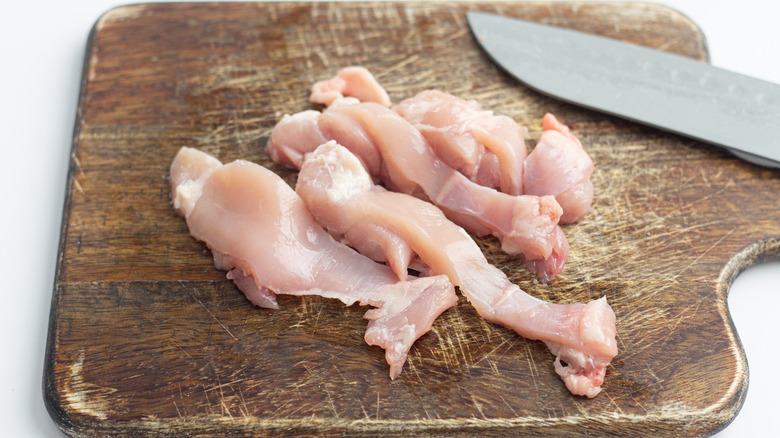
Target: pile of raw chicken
402, 184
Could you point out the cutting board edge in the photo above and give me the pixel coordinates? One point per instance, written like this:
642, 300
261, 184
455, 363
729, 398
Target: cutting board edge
766, 250
51, 398
705, 47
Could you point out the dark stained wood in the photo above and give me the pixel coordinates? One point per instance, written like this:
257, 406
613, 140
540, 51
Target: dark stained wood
148, 338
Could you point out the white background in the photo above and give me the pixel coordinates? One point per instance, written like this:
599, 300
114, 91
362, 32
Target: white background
42, 45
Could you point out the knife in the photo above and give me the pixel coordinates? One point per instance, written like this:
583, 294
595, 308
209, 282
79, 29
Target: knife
659, 89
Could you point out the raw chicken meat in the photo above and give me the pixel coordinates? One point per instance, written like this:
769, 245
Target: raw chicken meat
259, 230
395, 153
489, 149
349, 81
339, 192
559, 166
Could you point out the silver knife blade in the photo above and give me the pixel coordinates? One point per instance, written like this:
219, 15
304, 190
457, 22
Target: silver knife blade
659, 89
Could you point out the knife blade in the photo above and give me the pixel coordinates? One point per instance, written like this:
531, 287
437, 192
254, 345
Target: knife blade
659, 89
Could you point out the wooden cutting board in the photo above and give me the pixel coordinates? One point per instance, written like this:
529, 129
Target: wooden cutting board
147, 337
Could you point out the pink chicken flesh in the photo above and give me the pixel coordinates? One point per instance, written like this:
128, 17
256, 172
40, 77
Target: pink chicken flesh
353, 81
488, 149
395, 153
259, 230
559, 166
339, 192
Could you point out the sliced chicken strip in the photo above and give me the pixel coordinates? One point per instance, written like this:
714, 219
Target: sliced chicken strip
303, 127
470, 139
352, 81
559, 166
338, 191
259, 229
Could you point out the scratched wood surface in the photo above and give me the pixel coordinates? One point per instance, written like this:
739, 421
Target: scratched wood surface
147, 337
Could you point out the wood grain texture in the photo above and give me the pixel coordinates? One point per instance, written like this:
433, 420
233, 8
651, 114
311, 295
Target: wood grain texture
147, 337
